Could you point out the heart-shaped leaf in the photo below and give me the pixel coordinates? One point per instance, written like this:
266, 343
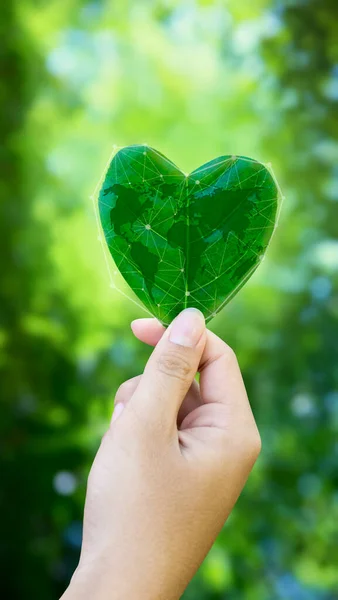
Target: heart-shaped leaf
186, 240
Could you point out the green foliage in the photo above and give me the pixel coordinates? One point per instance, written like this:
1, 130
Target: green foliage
184, 240
196, 79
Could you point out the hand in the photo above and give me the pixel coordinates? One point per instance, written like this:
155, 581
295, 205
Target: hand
169, 469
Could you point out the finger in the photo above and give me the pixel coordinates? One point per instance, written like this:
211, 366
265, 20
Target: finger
171, 368
126, 390
148, 331
220, 376
191, 401
225, 405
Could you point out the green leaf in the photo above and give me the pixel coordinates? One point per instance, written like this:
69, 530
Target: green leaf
186, 240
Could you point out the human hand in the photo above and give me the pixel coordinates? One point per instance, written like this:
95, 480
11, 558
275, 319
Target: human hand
169, 469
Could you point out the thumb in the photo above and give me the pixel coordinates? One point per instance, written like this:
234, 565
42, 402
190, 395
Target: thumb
171, 369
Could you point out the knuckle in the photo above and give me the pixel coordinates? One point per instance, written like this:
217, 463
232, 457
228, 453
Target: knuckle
256, 443
175, 365
125, 389
253, 444
229, 354
245, 445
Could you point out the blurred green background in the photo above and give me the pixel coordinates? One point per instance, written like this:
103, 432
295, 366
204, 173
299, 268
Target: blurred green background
194, 79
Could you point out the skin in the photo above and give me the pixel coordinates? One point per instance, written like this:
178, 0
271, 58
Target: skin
169, 469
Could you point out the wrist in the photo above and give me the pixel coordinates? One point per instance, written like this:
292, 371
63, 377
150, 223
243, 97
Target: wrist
93, 584
89, 584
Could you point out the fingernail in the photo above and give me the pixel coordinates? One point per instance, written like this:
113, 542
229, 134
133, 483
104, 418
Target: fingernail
117, 411
187, 328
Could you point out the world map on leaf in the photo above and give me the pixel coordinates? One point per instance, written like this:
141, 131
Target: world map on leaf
186, 240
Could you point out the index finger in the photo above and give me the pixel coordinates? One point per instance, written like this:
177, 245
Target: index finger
221, 379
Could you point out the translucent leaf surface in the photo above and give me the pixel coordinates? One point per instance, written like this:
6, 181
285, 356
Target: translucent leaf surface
186, 240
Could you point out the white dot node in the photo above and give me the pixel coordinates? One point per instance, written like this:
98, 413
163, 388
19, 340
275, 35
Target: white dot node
148, 226
186, 174
187, 293
234, 157
182, 270
214, 314
144, 153
269, 165
161, 176
198, 182
159, 305
143, 180
142, 289
129, 182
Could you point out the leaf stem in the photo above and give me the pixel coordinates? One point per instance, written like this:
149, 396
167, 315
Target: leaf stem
187, 239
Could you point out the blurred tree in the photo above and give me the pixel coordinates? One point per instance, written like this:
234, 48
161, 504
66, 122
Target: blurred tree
46, 391
36, 371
